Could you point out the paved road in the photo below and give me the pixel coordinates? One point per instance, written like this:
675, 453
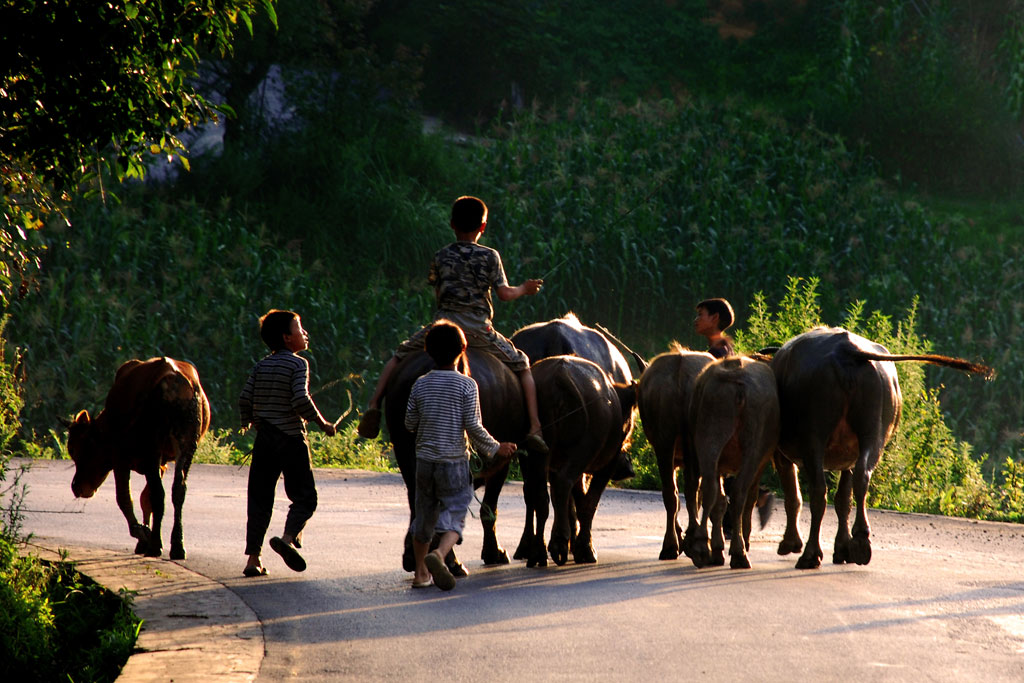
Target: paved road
942, 600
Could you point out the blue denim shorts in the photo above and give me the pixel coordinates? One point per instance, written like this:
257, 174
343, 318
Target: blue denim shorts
444, 491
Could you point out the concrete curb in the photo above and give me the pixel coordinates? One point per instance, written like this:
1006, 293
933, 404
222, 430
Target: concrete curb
194, 628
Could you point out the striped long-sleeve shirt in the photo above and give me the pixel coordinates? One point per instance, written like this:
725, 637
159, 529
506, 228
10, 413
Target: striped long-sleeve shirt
277, 393
443, 408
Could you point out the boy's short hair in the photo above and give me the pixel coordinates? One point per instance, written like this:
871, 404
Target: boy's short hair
274, 324
468, 214
722, 308
445, 342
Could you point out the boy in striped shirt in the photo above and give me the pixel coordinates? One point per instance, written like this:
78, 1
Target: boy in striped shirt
277, 403
443, 409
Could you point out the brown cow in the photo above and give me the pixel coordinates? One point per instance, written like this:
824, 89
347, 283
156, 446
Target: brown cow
840, 403
734, 413
155, 413
663, 395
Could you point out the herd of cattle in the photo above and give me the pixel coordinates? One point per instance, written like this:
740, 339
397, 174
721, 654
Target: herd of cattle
827, 400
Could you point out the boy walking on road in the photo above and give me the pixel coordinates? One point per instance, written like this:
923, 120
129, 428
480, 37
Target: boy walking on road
443, 408
277, 403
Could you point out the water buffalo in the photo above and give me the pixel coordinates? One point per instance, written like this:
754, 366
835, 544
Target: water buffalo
840, 403
663, 397
734, 412
504, 415
567, 336
587, 421
155, 413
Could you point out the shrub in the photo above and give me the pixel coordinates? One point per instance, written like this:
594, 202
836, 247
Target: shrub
56, 623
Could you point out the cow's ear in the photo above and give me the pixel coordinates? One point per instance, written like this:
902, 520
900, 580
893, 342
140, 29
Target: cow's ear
82, 418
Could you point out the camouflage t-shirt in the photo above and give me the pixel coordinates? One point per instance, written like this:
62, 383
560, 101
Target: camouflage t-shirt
463, 274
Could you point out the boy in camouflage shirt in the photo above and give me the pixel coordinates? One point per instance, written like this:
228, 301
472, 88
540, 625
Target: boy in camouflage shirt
463, 275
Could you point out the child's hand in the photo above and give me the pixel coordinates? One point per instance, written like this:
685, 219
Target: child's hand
329, 428
506, 449
531, 287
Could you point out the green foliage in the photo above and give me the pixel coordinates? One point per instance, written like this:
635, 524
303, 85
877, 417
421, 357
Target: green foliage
88, 84
111, 295
344, 450
933, 88
1011, 50
56, 623
347, 450
524, 52
645, 463
919, 89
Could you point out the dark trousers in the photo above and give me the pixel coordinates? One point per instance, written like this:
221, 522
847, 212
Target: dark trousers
274, 454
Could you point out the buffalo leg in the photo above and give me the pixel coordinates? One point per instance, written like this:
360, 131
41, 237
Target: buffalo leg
745, 492
791, 541
535, 495
586, 508
561, 489
492, 552
691, 481
841, 549
670, 547
670, 496
860, 543
817, 489
708, 550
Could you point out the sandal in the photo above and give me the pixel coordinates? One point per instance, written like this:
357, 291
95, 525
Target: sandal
289, 554
251, 571
369, 424
443, 578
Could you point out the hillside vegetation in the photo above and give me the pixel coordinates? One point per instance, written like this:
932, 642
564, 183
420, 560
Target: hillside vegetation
635, 181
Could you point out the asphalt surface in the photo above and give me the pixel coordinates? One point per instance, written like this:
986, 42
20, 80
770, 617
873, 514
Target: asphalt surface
942, 600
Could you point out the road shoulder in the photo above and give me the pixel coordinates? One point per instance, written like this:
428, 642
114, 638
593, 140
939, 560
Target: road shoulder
194, 628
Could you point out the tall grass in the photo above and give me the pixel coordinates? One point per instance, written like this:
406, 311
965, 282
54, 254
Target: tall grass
639, 211
632, 212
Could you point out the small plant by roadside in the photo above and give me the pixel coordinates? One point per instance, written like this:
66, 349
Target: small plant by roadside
56, 624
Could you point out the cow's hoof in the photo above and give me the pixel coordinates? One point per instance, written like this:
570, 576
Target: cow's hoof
141, 547
789, 546
860, 551
739, 562
700, 555
668, 554
523, 549
493, 556
717, 559
559, 550
538, 559
457, 569
808, 561
584, 555
154, 552
177, 554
